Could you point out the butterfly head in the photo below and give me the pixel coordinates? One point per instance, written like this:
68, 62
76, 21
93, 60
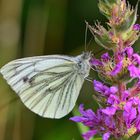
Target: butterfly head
83, 63
86, 55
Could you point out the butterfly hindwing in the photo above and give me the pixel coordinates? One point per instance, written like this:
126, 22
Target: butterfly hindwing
49, 86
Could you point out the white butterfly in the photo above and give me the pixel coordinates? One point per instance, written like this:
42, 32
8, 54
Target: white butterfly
48, 85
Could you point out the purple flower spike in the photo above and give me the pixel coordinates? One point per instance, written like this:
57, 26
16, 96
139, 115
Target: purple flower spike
117, 69
136, 27
106, 136
118, 90
105, 57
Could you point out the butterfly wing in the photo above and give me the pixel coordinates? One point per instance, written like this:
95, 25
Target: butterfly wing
47, 85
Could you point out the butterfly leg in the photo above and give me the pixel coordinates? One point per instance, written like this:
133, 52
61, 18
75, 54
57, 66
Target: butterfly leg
89, 79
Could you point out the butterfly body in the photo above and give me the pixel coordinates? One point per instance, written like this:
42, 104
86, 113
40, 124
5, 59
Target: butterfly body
48, 85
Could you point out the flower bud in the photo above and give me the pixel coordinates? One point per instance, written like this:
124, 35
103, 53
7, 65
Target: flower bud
106, 6
103, 37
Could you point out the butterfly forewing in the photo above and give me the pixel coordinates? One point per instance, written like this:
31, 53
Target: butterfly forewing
47, 85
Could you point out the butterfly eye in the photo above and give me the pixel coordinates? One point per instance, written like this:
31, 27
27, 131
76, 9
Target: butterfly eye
79, 64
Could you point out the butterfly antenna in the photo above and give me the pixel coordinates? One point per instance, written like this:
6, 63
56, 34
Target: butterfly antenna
86, 36
89, 79
90, 41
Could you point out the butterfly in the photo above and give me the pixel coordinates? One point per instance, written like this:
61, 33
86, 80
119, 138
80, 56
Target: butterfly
48, 85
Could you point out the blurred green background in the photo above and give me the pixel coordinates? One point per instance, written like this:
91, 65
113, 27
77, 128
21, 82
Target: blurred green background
42, 27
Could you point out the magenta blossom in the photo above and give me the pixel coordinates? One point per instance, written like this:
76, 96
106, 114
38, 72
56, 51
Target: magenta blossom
136, 27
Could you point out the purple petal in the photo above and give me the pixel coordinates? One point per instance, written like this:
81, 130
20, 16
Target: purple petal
138, 123
89, 134
129, 51
139, 108
106, 136
125, 95
88, 117
86, 113
136, 58
105, 57
113, 99
119, 56
78, 119
100, 87
90, 114
81, 109
134, 71
129, 113
135, 100
117, 69
109, 111
136, 27
95, 62
113, 90
128, 106
109, 122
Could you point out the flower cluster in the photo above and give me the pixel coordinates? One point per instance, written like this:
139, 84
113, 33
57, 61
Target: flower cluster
121, 116
119, 67
119, 94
